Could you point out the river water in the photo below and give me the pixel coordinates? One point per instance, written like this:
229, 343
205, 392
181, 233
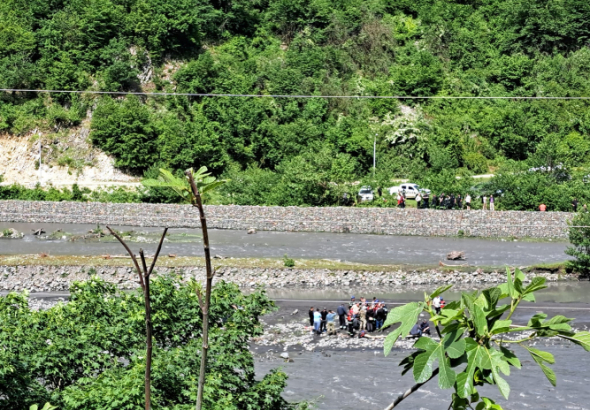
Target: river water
368, 380
369, 249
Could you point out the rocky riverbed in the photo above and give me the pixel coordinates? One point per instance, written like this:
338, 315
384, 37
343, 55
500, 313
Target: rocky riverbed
40, 278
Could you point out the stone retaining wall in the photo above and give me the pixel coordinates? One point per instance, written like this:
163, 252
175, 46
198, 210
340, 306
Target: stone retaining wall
58, 278
387, 221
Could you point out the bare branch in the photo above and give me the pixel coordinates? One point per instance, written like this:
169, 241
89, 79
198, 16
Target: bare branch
157, 254
130, 254
411, 390
142, 257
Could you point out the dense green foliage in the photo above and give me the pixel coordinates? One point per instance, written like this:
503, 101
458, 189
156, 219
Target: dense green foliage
579, 236
89, 353
476, 338
305, 151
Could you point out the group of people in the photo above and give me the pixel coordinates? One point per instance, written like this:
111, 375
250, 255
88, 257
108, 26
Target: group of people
446, 201
361, 316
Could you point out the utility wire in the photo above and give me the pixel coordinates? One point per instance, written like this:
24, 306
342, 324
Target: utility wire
364, 97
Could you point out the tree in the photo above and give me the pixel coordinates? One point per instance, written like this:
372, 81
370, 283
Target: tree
144, 281
579, 236
474, 332
90, 352
190, 191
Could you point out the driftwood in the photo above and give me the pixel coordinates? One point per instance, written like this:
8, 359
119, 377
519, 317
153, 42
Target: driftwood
38, 232
445, 264
456, 256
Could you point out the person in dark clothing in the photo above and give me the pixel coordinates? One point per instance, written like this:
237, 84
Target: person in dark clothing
379, 317
342, 316
324, 323
425, 328
311, 316
371, 319
459, 204
452, 202
380, 191
434, 201
575, 204
416, 331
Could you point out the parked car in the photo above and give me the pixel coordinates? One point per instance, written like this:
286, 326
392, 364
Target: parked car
410, 190
366, 194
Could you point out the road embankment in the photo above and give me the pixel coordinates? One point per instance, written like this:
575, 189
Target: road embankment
382, 221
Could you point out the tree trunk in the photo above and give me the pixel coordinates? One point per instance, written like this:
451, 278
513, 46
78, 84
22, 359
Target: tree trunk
205, 305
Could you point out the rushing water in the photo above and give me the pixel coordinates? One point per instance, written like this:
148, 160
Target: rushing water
368, 380
370, 249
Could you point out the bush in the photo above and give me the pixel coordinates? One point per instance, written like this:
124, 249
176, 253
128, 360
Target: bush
89, 353
579, 237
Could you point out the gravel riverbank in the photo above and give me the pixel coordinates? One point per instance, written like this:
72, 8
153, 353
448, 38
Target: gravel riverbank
58, 278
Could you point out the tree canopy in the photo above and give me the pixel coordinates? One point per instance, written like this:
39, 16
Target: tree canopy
307, 47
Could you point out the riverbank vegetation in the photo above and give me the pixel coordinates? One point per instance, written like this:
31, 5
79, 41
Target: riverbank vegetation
90, 353
308, 151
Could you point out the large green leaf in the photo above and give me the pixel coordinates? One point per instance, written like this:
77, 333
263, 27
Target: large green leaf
452, 346
501, 326
407, 315
546, 370
582, 339
540, 357
440, 291
479, 320
536, 284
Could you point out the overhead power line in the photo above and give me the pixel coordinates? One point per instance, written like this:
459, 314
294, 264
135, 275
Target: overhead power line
364, 97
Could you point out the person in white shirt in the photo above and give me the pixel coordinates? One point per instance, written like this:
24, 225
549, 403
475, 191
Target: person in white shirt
468, 202
436, 304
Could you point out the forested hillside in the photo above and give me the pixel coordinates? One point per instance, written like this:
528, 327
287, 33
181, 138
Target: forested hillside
295, 151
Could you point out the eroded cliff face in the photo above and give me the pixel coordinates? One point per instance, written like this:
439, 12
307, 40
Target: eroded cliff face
67, 157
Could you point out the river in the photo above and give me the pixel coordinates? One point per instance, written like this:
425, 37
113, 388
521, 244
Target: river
368, 249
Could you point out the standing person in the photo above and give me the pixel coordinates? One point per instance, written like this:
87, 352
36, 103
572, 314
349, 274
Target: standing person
380, 191
379, 316
575, 204
351, 303
371, 318
492, 203
434, 201
311, 316
350, 323
452, 201
342, 316
436, 304
331, 324
542, 207
317, 321
324, 314
484, 203
468, 202
459, 204
441, 200
363, 317
418, 200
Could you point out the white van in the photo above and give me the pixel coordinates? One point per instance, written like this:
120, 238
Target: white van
410, 190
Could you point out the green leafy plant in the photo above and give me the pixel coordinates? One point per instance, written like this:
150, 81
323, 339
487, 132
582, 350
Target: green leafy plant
475, 333
579, 236
203, 179
288, 262
46, 407
90, 352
